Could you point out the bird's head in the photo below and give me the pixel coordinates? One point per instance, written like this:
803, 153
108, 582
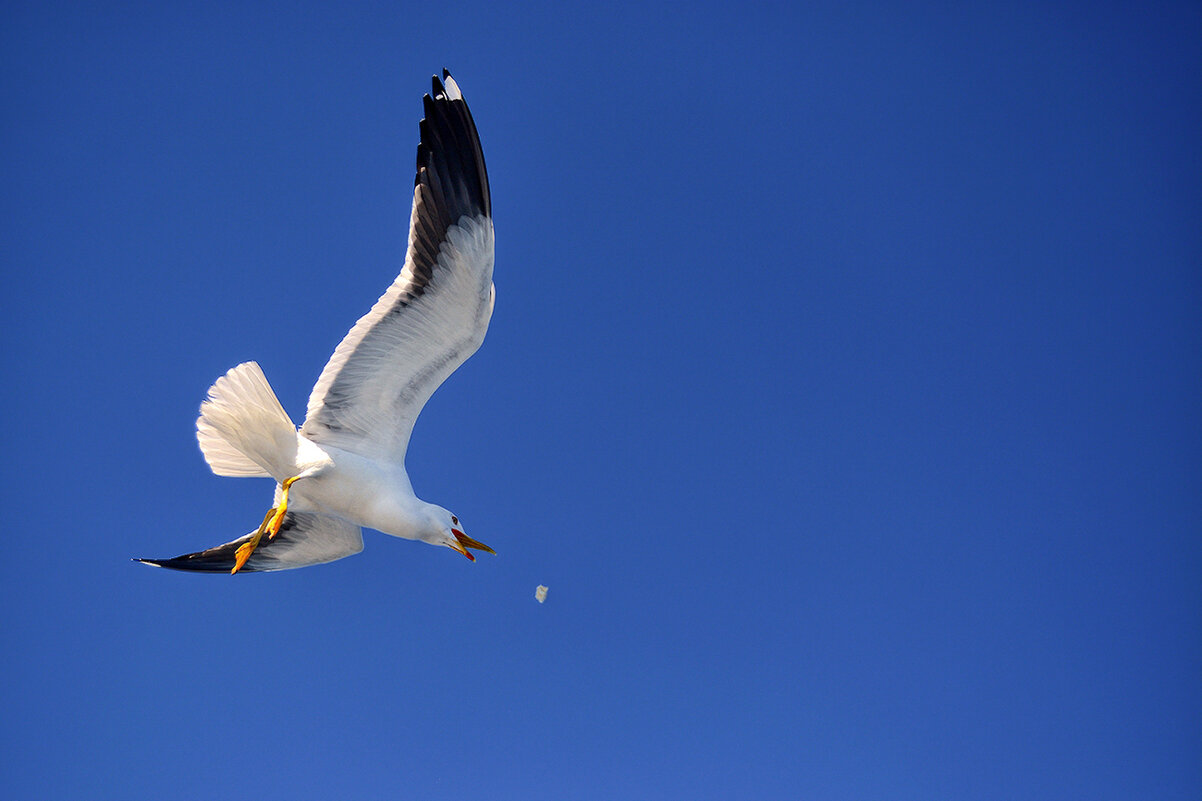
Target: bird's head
447, 530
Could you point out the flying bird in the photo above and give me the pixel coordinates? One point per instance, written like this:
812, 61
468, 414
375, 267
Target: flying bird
344, 468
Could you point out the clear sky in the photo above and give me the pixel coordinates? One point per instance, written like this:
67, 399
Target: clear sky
844, 388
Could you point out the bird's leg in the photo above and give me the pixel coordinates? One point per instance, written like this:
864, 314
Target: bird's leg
247, 548
271, 525
277, 514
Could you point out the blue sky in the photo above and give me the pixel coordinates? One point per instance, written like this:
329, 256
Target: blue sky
843, 387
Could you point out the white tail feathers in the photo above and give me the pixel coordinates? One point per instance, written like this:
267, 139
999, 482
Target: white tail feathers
243, 430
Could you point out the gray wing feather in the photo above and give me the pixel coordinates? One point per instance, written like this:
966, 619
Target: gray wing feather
305, 538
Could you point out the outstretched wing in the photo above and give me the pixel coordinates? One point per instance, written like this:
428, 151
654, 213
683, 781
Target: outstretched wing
435, 315
305, 538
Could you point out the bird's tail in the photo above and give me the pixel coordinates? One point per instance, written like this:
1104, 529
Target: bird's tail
243, 430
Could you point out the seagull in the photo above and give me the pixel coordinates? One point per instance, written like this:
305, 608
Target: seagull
344, 468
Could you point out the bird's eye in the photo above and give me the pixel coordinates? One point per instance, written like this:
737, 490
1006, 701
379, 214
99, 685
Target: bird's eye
454, 520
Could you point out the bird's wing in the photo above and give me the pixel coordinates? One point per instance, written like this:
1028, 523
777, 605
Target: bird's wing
434, 315
305, 538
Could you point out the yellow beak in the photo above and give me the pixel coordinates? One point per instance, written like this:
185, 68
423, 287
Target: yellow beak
466, 542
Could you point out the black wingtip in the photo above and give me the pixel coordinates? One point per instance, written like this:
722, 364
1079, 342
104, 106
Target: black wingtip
213, 560
450, 154
170, 564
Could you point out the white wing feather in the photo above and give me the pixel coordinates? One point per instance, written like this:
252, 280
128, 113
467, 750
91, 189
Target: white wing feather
389, 364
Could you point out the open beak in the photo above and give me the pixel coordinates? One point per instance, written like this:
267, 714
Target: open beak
466, 542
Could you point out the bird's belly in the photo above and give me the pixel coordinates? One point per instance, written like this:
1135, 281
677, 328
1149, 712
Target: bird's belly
362, 491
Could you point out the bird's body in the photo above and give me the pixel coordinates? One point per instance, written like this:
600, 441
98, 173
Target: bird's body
346, 485
376, 495
344, 469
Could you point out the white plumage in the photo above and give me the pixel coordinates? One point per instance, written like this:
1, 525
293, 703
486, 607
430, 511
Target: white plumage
344, 468
391, 363
243, 430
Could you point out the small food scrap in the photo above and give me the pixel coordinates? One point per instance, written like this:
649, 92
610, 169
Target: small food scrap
540, 594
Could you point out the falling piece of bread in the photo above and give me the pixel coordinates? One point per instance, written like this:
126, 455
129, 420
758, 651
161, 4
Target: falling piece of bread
540, 594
